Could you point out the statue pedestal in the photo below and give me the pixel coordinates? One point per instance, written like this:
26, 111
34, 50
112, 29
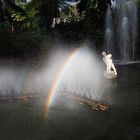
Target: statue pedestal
110, 74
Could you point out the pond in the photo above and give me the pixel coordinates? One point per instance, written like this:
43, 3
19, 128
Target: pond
67, 119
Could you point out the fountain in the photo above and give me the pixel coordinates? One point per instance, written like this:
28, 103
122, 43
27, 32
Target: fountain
108, 42
132, 9
121, 30
125, 40
76, 74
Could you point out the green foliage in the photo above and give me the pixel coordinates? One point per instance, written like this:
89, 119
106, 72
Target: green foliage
22, 14
17, 16
93, 4
30, 20
38, 14
41, 12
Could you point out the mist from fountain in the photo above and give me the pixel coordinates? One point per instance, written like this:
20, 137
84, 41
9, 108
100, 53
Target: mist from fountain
83, 77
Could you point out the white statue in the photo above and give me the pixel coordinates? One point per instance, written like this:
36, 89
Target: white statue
110, 68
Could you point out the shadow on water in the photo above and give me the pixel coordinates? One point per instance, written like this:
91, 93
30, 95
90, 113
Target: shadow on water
67, 119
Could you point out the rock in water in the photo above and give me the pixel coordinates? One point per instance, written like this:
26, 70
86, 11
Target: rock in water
110, 75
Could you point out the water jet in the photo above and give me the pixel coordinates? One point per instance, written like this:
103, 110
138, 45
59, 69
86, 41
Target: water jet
121, 30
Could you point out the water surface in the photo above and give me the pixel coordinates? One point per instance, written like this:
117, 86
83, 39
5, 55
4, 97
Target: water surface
69, 120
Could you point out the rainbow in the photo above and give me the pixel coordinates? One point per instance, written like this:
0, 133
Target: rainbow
57, 82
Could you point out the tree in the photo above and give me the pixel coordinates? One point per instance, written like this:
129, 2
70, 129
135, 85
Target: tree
7, 8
